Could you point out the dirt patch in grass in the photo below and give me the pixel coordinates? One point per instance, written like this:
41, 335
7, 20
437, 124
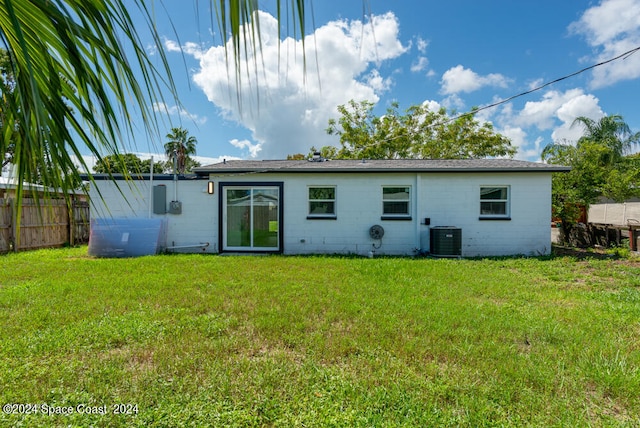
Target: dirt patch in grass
583, 253
595, 254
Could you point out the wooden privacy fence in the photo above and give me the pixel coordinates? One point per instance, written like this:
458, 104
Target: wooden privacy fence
49, 223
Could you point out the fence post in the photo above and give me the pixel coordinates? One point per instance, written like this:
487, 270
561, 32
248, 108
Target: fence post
70, 217
13, 227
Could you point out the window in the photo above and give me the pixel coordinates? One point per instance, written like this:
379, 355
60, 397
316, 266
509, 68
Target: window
396, 202
322, 202
494, 202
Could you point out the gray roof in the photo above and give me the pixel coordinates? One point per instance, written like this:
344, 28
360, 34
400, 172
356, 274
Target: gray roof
384, 165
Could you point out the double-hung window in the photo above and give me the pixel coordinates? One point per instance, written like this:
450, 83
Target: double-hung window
322, 202
396, 202
494, 202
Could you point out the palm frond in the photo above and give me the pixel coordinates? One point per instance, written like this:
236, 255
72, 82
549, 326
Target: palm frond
76, 85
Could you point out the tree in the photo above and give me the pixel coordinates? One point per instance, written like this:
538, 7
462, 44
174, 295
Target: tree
126, 164
179, 148
190, 163
419, 133
158, 167
65, 53
600, 166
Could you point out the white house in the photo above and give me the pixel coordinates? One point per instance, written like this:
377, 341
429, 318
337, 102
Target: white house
479, 207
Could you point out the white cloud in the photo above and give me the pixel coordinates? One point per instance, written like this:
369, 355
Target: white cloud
519, 139
582, 105
422, 45
459, 79
432, 105
420, 64
454, 102
555, 112
188, 48
377, 82
610, 20
535, 84
178, 111
281, 98
253, 149
172, 46
612, 28
554, 106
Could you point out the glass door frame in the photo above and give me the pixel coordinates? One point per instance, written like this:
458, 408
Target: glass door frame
222, 216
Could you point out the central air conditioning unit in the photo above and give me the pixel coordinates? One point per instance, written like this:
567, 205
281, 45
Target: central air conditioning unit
445, 241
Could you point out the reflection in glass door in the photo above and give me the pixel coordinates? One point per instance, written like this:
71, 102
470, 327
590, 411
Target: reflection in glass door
251, 218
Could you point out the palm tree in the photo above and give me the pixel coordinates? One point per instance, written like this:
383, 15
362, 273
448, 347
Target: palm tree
611, 132
180, 147
76, 86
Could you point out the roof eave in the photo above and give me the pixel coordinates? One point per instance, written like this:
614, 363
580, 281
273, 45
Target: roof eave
204, 171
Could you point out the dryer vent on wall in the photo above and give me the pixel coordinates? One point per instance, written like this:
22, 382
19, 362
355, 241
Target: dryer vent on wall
376, 232
445, 241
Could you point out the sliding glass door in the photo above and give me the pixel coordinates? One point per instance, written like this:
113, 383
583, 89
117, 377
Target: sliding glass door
251, 218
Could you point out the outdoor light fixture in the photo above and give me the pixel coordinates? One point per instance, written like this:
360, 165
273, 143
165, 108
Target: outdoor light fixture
210, 188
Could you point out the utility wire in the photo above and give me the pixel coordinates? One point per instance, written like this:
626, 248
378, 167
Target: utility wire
506, 100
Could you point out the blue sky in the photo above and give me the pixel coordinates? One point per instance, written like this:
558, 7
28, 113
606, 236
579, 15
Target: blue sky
455, 53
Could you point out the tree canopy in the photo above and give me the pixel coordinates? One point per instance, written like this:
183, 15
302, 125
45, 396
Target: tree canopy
119, 164
418, 133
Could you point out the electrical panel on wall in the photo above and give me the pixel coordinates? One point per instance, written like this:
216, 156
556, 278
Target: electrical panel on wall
175, 207
160, 199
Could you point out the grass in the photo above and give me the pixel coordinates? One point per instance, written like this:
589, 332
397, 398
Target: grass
193, 340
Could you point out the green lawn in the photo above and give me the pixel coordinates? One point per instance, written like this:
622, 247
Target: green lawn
194, 340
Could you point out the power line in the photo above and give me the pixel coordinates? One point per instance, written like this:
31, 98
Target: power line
506, 100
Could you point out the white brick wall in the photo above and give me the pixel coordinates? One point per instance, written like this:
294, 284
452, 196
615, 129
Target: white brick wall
454, 200
197, 224
448, 199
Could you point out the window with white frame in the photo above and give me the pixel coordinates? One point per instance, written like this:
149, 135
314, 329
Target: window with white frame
396, 201
494, 202
322, 202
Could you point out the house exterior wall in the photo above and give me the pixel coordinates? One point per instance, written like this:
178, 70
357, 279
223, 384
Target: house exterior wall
358, 207
447, 199
196, 225
454, 200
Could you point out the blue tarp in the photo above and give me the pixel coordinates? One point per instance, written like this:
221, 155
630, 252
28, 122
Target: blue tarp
127, 237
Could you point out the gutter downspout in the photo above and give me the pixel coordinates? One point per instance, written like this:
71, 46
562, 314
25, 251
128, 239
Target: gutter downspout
417, 212
151, 188
175, 175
